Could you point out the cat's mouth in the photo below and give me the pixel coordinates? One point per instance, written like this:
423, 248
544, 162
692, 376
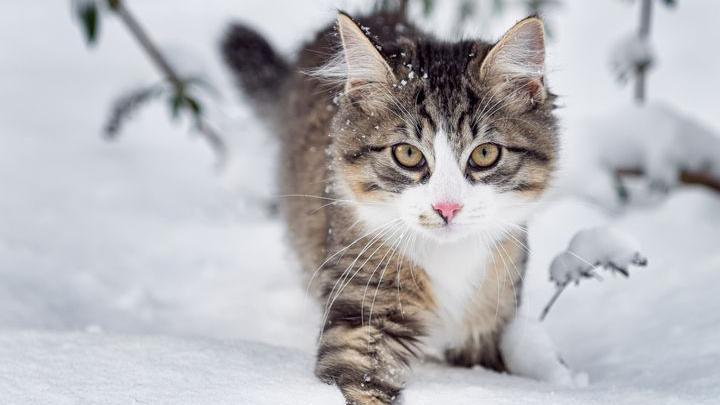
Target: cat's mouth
443, 232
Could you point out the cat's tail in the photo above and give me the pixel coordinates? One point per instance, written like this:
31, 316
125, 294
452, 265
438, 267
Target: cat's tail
259, 71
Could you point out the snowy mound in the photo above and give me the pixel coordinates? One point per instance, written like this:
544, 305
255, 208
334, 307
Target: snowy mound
655, 140
189, 289
71, 368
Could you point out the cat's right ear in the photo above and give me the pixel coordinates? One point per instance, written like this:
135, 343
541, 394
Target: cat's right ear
514, 68
366, 67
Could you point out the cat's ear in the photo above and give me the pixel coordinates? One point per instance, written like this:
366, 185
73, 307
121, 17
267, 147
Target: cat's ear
366, 67
515, 65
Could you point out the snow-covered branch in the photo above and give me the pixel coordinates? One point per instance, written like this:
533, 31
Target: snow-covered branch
689, 177
631, 55
656, 141
590, 249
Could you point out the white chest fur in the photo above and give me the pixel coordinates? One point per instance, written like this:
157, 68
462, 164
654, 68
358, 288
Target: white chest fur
456, 271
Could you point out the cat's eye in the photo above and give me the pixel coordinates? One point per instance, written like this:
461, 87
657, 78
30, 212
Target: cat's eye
484, 156
408, 156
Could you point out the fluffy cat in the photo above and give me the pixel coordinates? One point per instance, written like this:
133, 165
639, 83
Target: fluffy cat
409, 167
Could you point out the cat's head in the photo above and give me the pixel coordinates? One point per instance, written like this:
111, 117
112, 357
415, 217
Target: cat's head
451, 139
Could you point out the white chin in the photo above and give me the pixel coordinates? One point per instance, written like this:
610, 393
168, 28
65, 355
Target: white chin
444, 234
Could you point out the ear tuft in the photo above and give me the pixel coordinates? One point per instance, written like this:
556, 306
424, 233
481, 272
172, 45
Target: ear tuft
518, 60
364, 63
520, 52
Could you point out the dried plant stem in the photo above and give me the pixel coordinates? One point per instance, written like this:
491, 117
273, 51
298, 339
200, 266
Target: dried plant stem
644, 33
203, 127
554, 298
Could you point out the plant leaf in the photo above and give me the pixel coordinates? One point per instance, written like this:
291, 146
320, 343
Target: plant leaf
194, 105
428, 6
498, 7
89, 16
176, 103
128, 104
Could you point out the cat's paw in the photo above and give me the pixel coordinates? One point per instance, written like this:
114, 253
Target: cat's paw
528, 351
562, 376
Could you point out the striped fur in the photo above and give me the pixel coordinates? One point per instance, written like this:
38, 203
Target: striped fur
363, 227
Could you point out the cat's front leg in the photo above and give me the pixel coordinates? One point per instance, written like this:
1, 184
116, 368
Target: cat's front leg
369, 363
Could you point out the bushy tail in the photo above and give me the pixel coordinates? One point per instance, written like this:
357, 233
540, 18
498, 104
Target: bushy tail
258, 69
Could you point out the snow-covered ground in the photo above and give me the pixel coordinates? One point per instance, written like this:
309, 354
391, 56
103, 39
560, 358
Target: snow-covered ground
133, 272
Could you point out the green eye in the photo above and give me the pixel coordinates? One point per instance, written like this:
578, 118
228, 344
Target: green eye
484, 156
408, 156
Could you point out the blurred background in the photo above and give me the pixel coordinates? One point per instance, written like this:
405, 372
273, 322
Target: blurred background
137, 192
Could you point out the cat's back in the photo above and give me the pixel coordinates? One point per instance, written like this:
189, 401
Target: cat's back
305, 114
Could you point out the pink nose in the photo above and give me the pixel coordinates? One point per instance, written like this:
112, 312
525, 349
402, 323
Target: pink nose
447, 210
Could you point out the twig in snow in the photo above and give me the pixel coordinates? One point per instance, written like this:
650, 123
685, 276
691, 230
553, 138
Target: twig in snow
699, 178
589, 250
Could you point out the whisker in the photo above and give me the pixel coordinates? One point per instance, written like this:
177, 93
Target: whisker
377, 288
359, 268
483, 235
362, 304
331, 298
517, 272
515, 240
412, 262
315, 272
581, 258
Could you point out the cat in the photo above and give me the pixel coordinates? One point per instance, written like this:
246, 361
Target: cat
409, 169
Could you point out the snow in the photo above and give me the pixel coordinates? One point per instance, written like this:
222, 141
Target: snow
655, 139
530, 352
629, 53
607, 247
71, 368
134, 272
659, 325
595, 247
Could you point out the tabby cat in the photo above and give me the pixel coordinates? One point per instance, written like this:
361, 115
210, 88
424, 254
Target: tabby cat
410, 166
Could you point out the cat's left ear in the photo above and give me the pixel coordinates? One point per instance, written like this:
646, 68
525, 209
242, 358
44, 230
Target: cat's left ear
515, 66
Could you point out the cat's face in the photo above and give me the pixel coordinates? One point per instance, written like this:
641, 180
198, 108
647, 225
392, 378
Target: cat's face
446, 145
